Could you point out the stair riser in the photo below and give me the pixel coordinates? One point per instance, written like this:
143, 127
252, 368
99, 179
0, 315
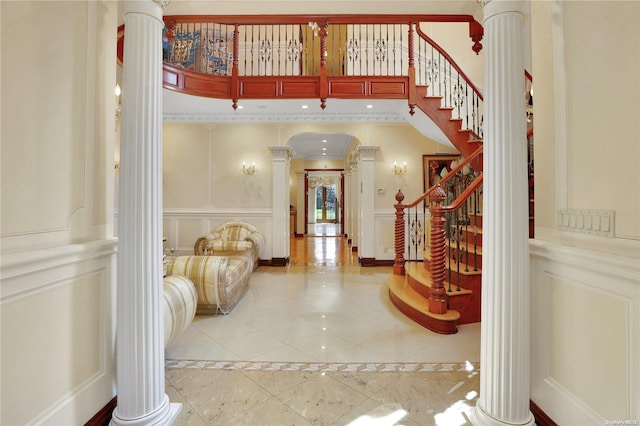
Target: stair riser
467, 237
475, 220
463, 277
470, 259
441, 327
468, 305
468, 282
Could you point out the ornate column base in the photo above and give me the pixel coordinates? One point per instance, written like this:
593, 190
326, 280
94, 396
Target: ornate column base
165, 415
479, 417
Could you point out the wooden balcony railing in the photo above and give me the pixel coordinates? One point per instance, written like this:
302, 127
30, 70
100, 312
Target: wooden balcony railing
306, 56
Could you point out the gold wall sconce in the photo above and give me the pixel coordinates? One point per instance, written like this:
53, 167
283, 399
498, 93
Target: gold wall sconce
399, 170
248, 170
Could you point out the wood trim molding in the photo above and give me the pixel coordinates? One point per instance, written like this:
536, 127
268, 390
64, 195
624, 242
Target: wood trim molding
103, 417
279, 261
541, 417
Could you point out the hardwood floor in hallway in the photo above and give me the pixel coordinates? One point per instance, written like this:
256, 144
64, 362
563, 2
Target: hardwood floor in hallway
323, 246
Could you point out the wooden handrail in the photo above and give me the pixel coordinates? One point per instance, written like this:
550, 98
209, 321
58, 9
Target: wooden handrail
464, 195
450, 175
450, 59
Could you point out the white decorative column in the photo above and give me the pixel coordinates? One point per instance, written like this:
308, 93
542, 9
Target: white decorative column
505, 329
140, 332
346, 219
366, 248
281, 156
300, 218
355, 203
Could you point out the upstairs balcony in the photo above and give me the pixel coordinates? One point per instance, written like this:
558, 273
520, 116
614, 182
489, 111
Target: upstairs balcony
322, 57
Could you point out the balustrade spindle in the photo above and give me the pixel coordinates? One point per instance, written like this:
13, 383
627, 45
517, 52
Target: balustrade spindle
398, 263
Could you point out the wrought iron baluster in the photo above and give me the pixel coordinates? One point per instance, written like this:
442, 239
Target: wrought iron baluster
450, 253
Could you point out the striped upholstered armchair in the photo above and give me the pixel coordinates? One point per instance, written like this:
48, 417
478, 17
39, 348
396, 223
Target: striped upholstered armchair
232, 239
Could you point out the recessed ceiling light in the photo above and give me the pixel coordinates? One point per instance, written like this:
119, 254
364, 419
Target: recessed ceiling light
240, 107
324, 141
324, 149
369, 106
305, 106
324, 153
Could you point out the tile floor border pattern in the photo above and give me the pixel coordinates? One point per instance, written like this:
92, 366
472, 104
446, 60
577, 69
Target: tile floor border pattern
323, 367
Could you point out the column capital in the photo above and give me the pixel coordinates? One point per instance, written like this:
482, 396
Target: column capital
281, 152
162, 3
367, 152
492, 8
147, 7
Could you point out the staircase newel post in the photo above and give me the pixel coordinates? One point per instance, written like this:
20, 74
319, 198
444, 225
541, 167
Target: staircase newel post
398, 263
438, 298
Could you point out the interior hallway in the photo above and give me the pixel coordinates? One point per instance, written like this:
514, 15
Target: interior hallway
318, 342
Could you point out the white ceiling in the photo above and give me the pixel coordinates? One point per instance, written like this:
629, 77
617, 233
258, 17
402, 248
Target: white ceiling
179, 107
320, 7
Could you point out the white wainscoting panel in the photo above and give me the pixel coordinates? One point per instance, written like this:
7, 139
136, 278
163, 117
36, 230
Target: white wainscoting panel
384, 238
585, 334
183, 226
58, 333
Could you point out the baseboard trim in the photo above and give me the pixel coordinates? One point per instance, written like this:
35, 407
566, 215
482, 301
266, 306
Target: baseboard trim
367, 261
383, 262
541, 417
103, 417
279, 261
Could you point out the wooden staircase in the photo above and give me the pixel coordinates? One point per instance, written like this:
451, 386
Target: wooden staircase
410, 292
465, 141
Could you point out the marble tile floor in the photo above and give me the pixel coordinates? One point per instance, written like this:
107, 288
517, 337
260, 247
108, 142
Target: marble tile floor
318, 342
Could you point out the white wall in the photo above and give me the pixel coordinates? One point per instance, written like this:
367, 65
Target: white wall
58, 252
586, 287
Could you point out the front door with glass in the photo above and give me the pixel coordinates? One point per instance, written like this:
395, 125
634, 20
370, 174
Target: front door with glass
326, 204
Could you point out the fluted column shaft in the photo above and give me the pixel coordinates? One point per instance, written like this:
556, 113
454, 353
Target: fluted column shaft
505, 329
140, 332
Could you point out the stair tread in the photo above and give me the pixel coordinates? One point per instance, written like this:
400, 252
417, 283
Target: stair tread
419, 273
399, 286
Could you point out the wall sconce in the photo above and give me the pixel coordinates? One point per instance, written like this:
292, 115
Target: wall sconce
399, 170
250, 169
118, 92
